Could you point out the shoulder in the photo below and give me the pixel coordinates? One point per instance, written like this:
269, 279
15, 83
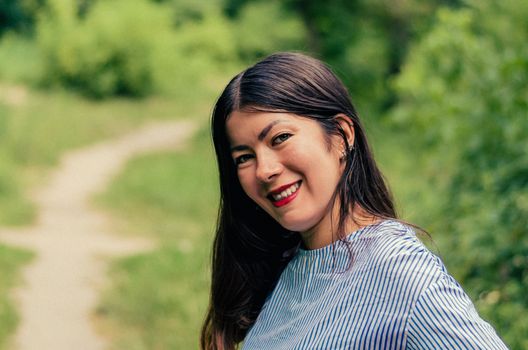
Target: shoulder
393, 249
440, 314
388, 235
444, 317
393, 265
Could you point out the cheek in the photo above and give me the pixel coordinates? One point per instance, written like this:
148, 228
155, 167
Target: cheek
323, 178
314, 163
298, 158
248, 183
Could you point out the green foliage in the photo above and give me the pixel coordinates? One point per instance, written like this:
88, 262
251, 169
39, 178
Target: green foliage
175, 188
20, 59
118, 49
36, 128
11, 260
115, 48
263, 27
365, 41
186, 11
36, 132
15, 209
18, 14
204, 49
464, 97
157, 300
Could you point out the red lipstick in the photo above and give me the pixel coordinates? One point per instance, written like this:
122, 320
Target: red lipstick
282, 188
286, 200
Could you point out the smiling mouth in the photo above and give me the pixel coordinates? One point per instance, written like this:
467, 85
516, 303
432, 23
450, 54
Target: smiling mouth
284, 194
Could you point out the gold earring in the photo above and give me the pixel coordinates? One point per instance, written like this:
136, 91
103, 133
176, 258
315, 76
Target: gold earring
344, 152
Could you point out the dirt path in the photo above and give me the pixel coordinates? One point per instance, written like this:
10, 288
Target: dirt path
71, 241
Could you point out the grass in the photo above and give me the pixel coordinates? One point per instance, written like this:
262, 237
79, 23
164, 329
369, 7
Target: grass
44, 124
157, 300
36, 127
37, 124
11, 260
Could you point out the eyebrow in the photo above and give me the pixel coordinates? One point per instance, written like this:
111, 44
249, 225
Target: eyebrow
265, 131
260, 136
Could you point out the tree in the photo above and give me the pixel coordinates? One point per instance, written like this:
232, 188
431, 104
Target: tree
18, 14
464, 97
365, 41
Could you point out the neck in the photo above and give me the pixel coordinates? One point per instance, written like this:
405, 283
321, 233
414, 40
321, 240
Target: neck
326, 231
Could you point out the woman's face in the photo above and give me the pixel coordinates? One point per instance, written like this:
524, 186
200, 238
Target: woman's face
287, 166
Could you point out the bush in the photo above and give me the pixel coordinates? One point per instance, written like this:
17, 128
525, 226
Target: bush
464, 97
114, 49
283, 31
18, 14
119, 49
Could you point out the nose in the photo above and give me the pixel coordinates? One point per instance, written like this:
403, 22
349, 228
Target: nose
268, 167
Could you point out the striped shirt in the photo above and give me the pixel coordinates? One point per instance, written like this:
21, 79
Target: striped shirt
395, 294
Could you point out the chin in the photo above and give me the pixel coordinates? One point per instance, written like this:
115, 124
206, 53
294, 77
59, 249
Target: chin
298, 225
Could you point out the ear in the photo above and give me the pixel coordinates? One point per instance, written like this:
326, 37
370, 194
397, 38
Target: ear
348, 128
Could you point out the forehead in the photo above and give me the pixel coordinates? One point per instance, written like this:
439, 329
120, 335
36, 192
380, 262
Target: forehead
237, 118
242, 125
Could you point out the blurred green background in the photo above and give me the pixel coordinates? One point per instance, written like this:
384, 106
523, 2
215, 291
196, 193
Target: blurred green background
442, 87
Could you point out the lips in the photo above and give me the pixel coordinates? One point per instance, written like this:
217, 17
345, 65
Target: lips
284, 194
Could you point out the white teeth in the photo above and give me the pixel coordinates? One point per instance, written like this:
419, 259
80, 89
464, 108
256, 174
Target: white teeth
287, 192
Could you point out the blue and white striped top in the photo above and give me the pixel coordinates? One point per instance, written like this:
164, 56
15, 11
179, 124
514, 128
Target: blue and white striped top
396, 295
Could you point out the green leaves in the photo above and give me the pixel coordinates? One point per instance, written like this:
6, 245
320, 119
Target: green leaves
464, 95
115, 49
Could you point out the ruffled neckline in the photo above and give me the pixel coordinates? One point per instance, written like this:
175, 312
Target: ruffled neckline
335, 257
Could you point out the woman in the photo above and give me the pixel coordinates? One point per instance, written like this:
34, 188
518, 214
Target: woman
309, 253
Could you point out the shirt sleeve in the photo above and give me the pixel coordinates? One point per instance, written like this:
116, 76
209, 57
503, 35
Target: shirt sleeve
444, 318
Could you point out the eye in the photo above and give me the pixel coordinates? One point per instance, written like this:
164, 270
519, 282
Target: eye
281, 138
242, 159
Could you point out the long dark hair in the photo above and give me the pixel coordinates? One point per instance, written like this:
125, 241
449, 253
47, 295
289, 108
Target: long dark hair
250, 248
